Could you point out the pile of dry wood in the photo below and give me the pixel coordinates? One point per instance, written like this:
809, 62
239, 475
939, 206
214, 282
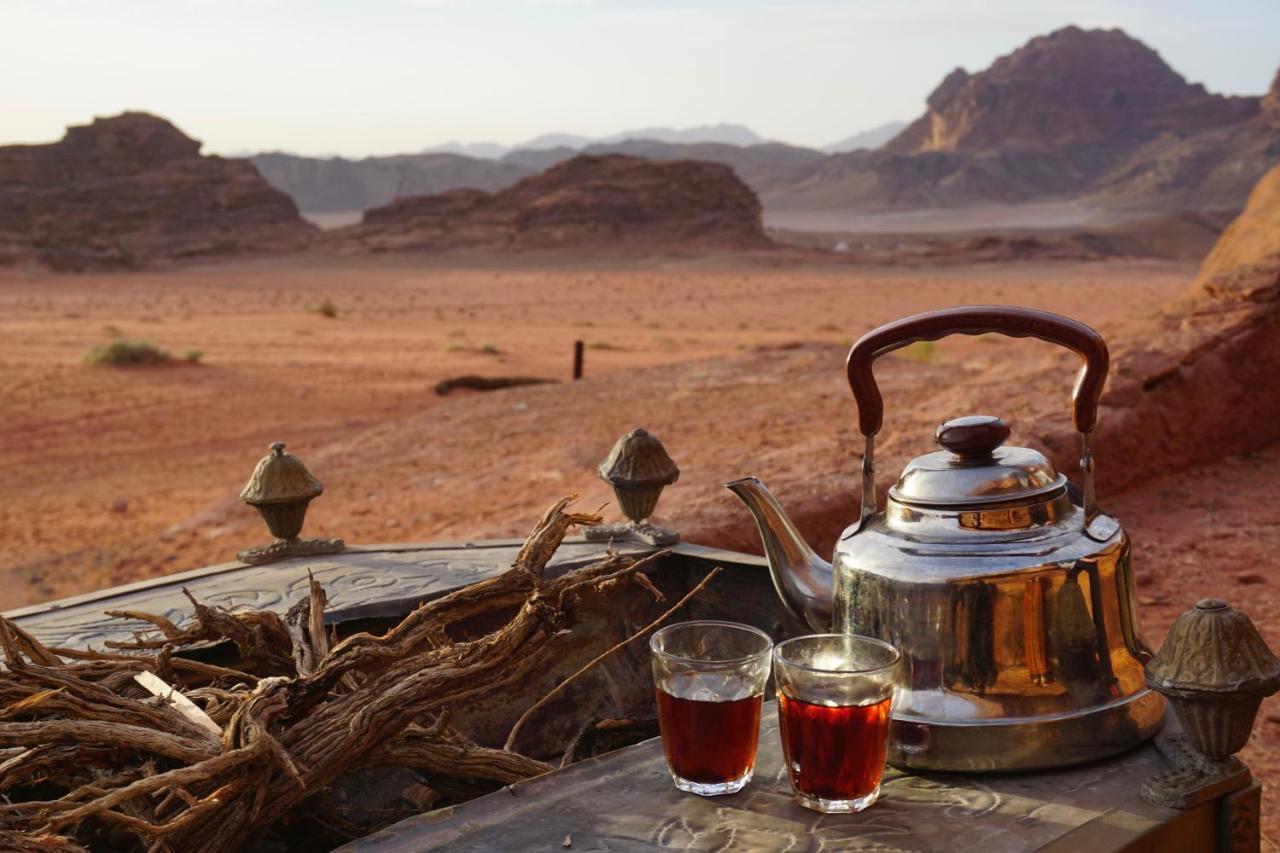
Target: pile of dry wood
97, 750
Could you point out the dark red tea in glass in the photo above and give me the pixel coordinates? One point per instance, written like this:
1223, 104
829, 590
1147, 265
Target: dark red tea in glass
709, 742
834, 752
835, 698
710, 679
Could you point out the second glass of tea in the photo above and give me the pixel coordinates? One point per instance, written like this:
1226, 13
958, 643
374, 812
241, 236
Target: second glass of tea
835, 695
710, 679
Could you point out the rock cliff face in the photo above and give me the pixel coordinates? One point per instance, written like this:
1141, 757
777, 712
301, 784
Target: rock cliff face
1072, 87
130, 190
1198, 383
604, 202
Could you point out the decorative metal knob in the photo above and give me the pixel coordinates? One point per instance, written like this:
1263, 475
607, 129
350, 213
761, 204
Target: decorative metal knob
1215, 669
280, 488
638, 468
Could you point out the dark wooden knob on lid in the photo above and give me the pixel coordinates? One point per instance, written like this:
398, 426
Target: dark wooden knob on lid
973, 436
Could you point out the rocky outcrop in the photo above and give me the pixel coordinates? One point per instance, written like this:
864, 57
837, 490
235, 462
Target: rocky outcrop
131, 190
1070, 88
1244, 267
607, 202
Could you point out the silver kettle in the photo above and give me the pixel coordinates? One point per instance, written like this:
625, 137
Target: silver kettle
1008, 592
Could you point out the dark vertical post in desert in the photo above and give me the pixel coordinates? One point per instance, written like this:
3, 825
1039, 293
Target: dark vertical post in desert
578, 350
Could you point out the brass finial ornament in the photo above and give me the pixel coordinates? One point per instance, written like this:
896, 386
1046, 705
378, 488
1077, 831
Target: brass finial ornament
280, 488
638, 468
1215, 669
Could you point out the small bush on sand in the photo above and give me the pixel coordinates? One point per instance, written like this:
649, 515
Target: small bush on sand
925, 352
325, 308
125, 353
602, 345
193, 356
490, 349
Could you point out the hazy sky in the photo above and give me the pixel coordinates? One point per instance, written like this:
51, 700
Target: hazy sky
386, 76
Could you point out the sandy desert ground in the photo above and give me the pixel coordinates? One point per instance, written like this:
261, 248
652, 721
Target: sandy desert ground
110, 475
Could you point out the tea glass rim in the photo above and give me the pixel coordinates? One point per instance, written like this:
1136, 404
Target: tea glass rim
780, 658
703, 662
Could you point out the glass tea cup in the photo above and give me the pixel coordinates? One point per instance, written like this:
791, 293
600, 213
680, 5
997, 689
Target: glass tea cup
835, 695
710, 679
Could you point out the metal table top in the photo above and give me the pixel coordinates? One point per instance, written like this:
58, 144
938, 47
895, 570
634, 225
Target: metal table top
361, 582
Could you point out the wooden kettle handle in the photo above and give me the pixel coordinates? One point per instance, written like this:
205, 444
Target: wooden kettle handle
977, 320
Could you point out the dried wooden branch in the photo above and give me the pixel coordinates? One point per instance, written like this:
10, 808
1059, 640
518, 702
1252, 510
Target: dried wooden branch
294, 718
524, 718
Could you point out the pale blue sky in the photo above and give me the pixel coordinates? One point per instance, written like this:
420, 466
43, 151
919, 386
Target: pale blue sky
386, 76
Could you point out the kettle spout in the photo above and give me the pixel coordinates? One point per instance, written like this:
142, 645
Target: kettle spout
802, 578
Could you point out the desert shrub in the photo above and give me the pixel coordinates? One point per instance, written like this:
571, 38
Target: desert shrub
124, 353
325, 308
193, 356
602, 345
921, 351
490, 349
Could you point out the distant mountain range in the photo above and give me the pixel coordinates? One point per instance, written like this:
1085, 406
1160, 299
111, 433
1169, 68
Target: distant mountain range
726, 134
1092, 116
873, 138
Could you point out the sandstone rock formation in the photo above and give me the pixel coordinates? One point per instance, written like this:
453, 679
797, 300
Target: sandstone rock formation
606, 202
133, 189
1067, 89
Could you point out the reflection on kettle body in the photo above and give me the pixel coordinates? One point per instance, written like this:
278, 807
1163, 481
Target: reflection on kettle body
972, 663
1075, 644
1035, 631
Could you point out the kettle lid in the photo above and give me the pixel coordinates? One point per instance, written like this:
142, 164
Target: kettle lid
973, 468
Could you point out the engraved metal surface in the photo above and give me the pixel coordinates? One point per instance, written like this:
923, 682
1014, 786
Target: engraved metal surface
634, 531
625, 801
363, 581
1193, 778
282, 548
